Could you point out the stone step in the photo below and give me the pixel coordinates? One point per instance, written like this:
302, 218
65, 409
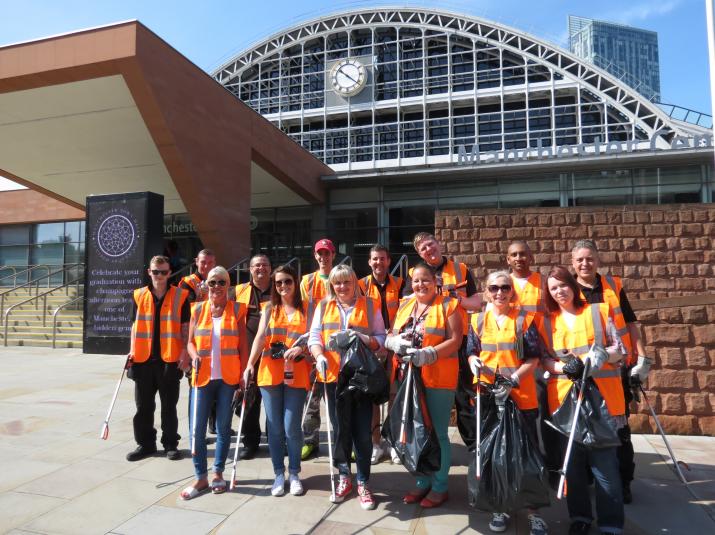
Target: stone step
39, 329
45, 343
43, 336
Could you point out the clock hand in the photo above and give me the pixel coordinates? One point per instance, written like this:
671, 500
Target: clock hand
347, 75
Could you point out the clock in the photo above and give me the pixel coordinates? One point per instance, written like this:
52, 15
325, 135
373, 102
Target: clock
348, 77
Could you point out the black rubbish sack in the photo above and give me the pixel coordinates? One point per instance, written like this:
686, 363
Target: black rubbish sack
595, 428
419, 449
364, 372
513, 472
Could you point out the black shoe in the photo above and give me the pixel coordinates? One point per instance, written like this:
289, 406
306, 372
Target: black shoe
212, 429
248, 453
173, 454
579, 528
142, 452
627, 494
233, 432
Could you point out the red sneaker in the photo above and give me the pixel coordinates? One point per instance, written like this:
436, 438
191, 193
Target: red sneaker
367, 500
345, 487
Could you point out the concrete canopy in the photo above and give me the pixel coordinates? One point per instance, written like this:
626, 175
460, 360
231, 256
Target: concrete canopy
116, 109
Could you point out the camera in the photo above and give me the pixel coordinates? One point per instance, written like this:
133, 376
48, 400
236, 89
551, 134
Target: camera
278, 350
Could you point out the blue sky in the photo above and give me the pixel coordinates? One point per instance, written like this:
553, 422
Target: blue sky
211, 32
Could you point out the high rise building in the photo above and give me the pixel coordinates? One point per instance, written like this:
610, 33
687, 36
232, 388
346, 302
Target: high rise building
630, 54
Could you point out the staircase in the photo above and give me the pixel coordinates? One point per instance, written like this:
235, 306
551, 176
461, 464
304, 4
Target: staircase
25, 323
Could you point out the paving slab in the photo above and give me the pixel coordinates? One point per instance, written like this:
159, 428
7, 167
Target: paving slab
158, 519
18, 508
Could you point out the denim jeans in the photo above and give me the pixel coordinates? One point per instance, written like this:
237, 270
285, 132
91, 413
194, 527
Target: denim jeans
218, 391
439, 404
359, 432
284, 411
603, 464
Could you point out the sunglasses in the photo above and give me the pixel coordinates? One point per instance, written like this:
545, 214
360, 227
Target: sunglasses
160, 272
284, 282
493, 288
216, 282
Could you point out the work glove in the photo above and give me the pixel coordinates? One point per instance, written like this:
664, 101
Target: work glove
573, 368
598, 356
340, 340
639, 372
321, 364
399, 344
420, 357
475, 364
502, 389
302, 340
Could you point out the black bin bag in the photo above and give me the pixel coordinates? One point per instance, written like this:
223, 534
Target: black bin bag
363, 372
419, 449
596, 427
513, 472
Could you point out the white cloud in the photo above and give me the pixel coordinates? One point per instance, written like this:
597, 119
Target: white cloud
644, 10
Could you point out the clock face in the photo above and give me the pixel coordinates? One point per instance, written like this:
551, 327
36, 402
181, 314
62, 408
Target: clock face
348, 77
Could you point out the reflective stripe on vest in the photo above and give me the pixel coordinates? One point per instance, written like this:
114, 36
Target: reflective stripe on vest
233, 314
531, 297
171, 343
280, 329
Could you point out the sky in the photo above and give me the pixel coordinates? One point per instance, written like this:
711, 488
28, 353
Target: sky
211, 32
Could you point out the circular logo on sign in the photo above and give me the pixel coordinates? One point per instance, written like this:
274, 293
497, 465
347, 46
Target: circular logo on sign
115, 235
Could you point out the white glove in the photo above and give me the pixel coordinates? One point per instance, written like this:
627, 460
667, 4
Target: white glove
502, 392
321, 364
475, 364
340, 340
421, 357
399, 344
597, 356
640, 371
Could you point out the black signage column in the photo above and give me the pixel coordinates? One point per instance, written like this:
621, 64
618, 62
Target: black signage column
123, 232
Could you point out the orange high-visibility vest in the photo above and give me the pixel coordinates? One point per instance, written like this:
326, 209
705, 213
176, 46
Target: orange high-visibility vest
612, 296
243, 295
282, 329
330, 322
444, 371
170, 328
313, 290
502, 348
590, 326
193, 281
454, 273
233, 314
531, 297
392, 294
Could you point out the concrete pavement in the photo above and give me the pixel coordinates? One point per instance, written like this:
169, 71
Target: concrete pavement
58, 477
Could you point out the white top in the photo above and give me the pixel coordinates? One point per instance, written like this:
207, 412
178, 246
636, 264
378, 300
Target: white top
569, 318
216, 349
521, 282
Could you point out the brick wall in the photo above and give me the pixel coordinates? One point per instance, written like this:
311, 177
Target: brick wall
663, 253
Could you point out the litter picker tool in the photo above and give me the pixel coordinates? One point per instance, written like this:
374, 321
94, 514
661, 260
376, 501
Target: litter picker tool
238, 435
324, 372
403, 421
478, 411
569, 446
310, 397
195, 401
104, 434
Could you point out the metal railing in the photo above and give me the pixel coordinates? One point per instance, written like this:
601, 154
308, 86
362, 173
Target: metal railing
28, 271
238, 267
54, 318
346, 260
36, 283
402, 267
294, 260
178, 275
687, 115
43, 295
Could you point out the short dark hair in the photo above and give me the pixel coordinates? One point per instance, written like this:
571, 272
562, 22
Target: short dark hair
206, 252
275, 296
379, 248
562, 274
259, 255
426, 267
159, 259
519, 242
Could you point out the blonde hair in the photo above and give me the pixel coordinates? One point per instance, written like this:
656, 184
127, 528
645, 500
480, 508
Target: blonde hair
159, 260
342, 272
219, 272
492, 278
420, 237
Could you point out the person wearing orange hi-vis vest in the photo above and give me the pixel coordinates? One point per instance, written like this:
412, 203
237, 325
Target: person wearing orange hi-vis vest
219, 350
588, 351
596, 288
158, 356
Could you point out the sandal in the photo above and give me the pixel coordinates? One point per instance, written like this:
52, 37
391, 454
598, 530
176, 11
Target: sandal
189, 493
218, 486
415, 496
437, 499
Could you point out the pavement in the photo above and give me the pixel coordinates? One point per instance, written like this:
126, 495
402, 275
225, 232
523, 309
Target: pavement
58, 477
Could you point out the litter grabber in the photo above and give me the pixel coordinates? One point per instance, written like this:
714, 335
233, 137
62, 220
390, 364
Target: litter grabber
478, 411
307, 403
638, 388
405, 405
569, 446
238, 435
104, 434
194, 399
324, 372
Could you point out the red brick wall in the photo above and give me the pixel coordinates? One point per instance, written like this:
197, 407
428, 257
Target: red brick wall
663, 253
28, 206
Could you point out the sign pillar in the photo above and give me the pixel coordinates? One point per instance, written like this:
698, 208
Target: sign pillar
123, 232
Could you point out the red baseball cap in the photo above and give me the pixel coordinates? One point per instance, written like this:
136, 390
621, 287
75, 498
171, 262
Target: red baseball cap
324, 244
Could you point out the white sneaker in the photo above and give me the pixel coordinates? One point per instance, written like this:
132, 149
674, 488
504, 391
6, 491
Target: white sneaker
498, 522
377, 453
278, 488
395, 457
537, 526
296, 487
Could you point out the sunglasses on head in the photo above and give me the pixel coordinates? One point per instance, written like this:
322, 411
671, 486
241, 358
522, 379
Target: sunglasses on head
160, 272
494, 288
282, 282
216, 282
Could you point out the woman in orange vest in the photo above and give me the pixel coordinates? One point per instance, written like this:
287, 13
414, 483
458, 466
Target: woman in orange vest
341, 315
283, 374
217, 346
578, 333
504, 340
428, 332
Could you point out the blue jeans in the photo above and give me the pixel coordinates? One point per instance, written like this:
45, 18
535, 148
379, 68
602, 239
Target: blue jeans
284, 412
439, 404
609, 494
218, 391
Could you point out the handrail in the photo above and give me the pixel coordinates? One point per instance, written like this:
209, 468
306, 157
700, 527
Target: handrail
237, 268
54, 317
29, 270
44, 306
176, 275
346, 260
402, 265
297, 261
35, 282
14, 274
